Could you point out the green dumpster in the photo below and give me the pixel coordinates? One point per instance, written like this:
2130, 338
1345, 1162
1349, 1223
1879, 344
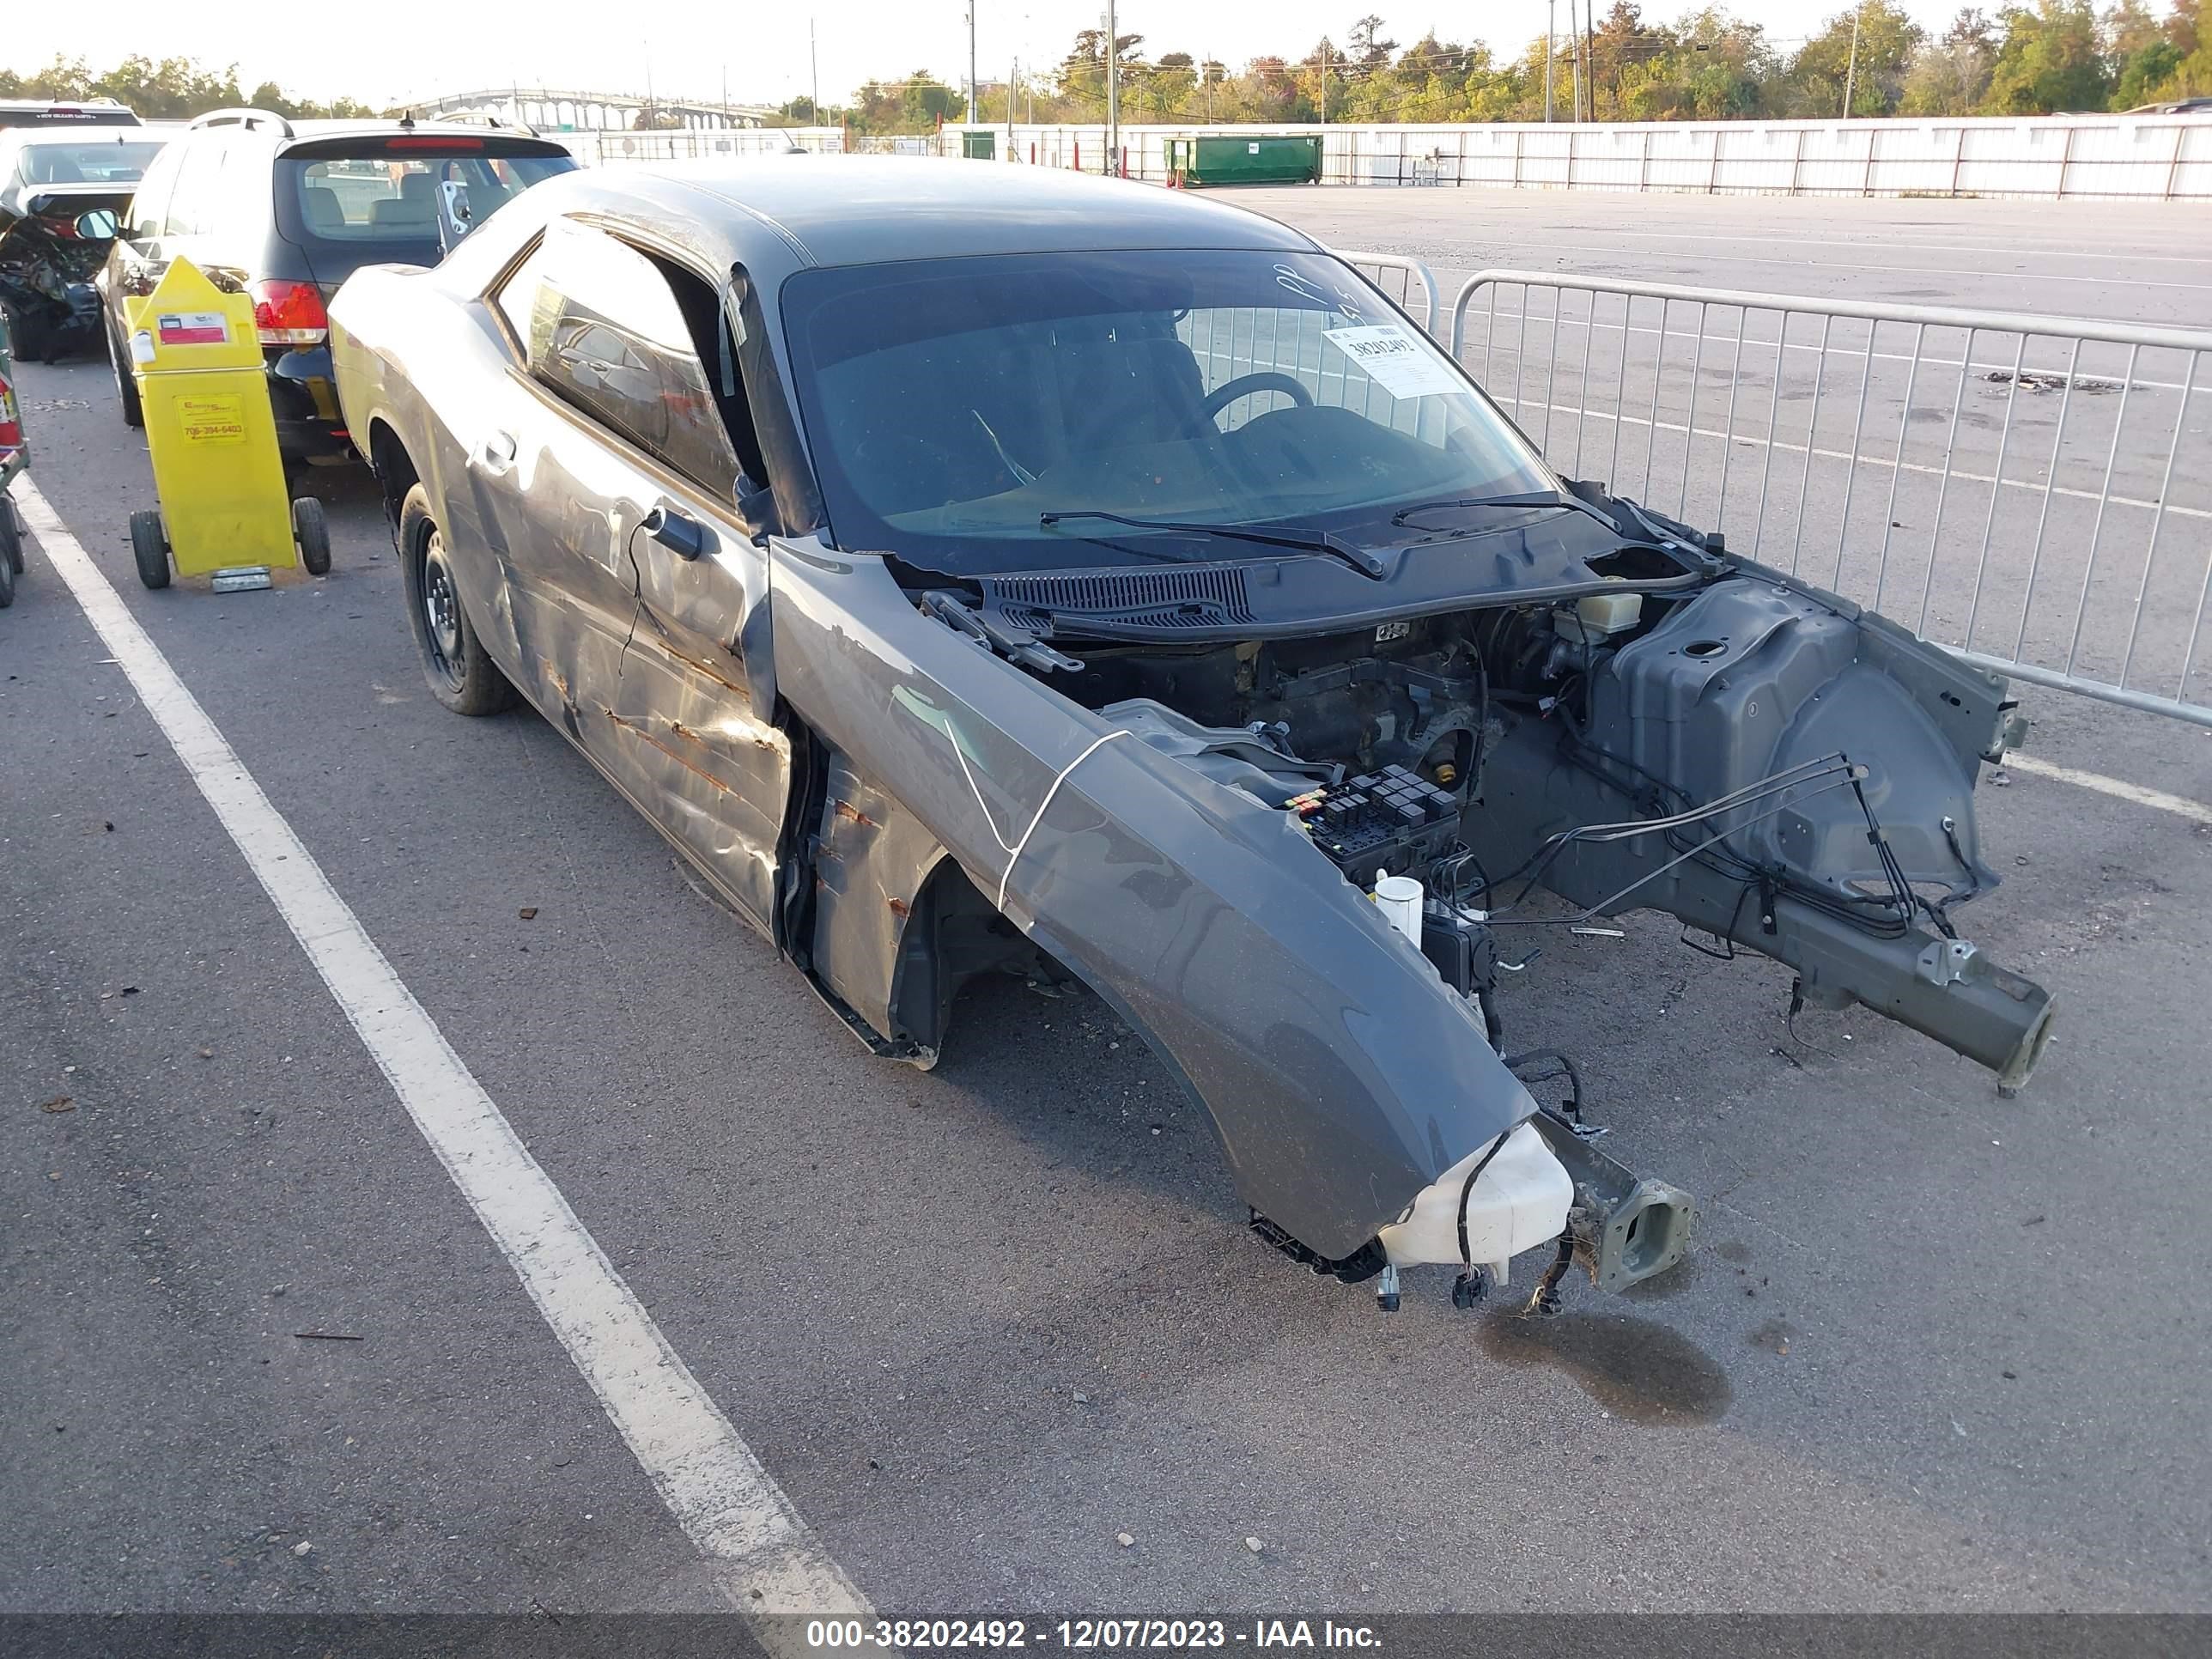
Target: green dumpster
1246, 161
980, 146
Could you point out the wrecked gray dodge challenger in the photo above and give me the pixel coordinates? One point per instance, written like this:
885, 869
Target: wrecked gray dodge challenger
976, 569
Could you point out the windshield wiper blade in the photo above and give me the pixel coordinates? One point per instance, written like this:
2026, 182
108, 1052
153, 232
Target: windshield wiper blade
1570, 503
1306, 541
1531, 498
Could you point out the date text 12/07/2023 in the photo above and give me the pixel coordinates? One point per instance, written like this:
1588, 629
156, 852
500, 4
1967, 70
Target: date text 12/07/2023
1085, 1635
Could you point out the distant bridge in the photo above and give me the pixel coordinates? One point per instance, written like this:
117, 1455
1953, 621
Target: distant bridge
586, 112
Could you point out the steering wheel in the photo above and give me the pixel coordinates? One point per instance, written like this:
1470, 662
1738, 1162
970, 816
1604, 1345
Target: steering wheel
1266, 379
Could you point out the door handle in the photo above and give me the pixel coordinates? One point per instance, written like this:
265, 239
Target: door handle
497, 453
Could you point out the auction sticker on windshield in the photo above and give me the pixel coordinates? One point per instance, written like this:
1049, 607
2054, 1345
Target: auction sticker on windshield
1395, 360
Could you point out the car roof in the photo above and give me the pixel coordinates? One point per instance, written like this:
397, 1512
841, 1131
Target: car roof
868, 209
307, 131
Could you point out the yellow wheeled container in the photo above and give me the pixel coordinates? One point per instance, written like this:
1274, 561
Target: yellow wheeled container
196, 357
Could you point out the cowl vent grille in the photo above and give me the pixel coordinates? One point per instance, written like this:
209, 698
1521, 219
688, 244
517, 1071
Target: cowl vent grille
1215, 593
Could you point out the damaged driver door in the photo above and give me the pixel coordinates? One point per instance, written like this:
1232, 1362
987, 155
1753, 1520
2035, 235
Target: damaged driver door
633, 556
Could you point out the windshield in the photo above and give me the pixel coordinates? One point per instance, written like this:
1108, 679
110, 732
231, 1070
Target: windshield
950, 404
385, 205
83, 161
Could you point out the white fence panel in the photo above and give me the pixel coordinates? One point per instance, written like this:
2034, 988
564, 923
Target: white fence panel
1681, 158
2020, 160
2137, 157
1491, 156
1920, 161
1834, 161
1758, 159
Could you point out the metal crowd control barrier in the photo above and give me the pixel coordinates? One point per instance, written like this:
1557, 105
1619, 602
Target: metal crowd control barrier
2030, 491
1411, 284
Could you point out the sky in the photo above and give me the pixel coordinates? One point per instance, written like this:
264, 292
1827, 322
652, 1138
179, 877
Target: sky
390, 50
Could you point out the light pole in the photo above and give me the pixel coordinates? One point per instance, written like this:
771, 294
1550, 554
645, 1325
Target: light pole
973, 113
1590, 55
1851, 73
814, 74
1113, 97
1575, 59
1551, 34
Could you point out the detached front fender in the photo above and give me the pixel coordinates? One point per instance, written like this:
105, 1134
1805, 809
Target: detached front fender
1341, 1074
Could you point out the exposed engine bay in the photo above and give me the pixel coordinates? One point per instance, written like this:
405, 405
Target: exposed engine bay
1790, 776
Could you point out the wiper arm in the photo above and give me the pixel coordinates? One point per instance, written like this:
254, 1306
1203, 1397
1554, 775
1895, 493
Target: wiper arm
1531, 498
1306, 541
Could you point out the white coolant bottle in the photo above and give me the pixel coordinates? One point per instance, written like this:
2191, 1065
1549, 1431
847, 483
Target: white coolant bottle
1400, 897
1519, 1201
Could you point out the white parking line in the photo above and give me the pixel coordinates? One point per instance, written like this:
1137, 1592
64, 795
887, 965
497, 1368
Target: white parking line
769, 1561
2179, 805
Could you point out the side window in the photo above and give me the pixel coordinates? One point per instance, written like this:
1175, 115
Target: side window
519, 293
602, 329
192, 210
150, 203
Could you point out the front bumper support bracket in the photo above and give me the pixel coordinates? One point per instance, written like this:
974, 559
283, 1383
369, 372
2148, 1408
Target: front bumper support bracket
1626, 1228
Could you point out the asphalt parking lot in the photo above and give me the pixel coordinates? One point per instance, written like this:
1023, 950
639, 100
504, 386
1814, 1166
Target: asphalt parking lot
1937, 1351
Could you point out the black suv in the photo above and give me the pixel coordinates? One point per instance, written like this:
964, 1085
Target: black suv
287, 210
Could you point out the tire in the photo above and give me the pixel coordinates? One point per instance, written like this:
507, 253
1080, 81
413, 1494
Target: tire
313, 533
126, 385
11, 536
461, 674
150, 548
6, 567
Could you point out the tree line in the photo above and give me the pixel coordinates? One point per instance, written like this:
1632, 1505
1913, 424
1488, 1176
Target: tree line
173, 90
2036, 58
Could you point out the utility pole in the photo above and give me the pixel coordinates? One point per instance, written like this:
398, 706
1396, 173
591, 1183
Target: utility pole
1590, 53
813, 75
1324, 82
1013, 80
1575, 57
1551, 51
1852, 74
1113, 95
974, 112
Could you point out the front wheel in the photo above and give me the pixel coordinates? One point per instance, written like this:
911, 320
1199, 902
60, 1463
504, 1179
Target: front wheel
7, 565
11, 536
150, 548
126, 384
313, 533
462, 675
